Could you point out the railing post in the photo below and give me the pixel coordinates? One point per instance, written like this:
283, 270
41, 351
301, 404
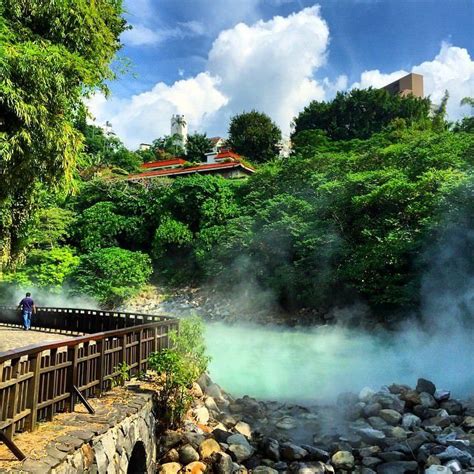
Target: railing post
52, 380
72, 356
100, 365
140, 351
33, 391
13, 398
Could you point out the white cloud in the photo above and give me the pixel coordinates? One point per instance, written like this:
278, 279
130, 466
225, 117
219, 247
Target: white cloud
452, 69
147, 115
267, 66
140, 35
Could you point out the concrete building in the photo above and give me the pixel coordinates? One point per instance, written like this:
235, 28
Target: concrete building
410, 84
179, 127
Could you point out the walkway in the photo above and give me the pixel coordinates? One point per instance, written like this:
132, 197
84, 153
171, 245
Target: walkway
13, 338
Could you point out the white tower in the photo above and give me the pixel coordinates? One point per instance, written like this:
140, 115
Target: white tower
179, 126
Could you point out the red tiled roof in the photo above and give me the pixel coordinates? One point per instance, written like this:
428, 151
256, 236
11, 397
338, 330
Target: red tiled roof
227, 154
162, 163
190, 170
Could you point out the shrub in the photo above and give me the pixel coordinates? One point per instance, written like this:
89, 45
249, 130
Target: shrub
112, 275
178, 367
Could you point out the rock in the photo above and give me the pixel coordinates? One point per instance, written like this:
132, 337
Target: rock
170, 468
213, 390
442, 395
286, 423
410, 421
454, 466
314, 468
392, 417
468, 423
237, 439
264, 470
271, 449
415, 441
240, 452
197, 390
377, 423
412, 397
208, 447
204, 381
399, 467
223, 463
243, 428
195, 467
427, 386
211, 404
438, 470
221, 436
391, 456
455, 453
366, 394
343, 460
371, 436
187, 454
369, 451
388, 400
427, 400
194, 439
370, 461
316, 454
453, 407
372, 409
171, 456
170, 438
202, 414
292, 452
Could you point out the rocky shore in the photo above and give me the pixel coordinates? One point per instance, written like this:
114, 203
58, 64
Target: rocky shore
397, 429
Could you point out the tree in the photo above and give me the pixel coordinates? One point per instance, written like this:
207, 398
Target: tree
360, 113
53, 53
112, 275
254, 135
197, 146
168, 146
467, 123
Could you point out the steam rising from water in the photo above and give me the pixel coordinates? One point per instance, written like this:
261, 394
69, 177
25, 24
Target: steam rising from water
318, 364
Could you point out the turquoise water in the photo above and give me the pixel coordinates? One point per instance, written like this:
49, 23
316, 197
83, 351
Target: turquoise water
317, 364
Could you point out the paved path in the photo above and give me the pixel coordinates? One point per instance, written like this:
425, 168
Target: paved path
12, 338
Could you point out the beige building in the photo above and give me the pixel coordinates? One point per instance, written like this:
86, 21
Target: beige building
410, 84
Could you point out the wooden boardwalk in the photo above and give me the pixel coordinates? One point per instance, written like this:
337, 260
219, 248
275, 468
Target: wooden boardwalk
14, 338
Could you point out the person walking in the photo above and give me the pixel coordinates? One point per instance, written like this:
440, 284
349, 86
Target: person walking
27, 306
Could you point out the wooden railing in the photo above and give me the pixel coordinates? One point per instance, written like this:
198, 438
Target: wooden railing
40, 380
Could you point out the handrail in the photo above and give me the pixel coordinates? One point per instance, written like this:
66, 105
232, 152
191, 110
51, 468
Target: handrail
39, 380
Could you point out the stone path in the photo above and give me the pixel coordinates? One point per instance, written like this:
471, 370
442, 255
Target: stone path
14, 338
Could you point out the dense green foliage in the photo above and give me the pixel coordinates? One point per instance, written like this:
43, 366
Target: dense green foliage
360, 113
112, 274
254, 135
52, 54
178, 367
197, 146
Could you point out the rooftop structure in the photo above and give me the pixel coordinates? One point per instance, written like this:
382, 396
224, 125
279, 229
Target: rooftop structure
411, 84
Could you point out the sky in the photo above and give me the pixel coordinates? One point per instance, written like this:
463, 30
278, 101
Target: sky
212, 59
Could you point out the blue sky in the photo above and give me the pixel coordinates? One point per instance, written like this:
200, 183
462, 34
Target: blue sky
210, 59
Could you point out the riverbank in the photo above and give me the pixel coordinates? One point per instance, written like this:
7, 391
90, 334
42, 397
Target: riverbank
397, 429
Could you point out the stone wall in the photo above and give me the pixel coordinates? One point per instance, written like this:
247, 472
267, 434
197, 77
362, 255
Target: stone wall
109, 441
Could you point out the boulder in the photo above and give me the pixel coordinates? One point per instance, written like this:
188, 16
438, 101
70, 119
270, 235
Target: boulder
170, 439
201, 414
442, 395
371, 436
208, 447
468, 423
343, 460
195, 467
286, 423
221, 436
187, 454
244, 429
171, 456
271, 449
240, 452
292, 452
170, 468
371, 462
366, 394
453, 407
213, 390
264, 470
438, 470
222, 463
399, 467
455, 453
316, 454
427, 386
371, 409
410, 421
237, 439
411, 397
392, 417
211, 404
427, 400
